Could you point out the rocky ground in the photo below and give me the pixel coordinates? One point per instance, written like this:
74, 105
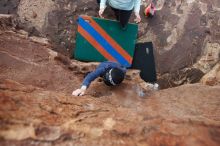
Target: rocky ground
36, 82
37, 107
184, 116
181, 31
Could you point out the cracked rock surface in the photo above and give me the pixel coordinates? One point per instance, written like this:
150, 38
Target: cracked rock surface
37, 108
180, 30
187, 115
36, 105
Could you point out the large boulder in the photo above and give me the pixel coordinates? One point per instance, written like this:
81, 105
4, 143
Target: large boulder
37, 108
184, 116
180, 30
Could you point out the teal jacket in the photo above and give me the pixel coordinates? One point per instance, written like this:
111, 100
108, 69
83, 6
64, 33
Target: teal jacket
122, 4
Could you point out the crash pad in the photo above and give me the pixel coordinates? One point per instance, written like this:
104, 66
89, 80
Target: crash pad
98, 40
144, 61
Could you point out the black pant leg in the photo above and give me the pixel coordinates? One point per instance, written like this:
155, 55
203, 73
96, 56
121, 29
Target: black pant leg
117, 12
124, 17
98, 1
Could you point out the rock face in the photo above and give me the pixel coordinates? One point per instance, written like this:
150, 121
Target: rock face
37, 108
213, 77
5, 22
8, 6
180, 30
184, 116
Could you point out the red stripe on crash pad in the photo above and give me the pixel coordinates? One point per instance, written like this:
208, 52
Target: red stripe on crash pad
111, 41
95, 44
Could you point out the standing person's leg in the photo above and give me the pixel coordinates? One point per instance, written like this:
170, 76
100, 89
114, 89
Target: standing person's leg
98, 1
124, 16
117, 12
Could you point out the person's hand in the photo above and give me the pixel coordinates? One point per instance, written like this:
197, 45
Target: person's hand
101, 12
138, 18
79, 92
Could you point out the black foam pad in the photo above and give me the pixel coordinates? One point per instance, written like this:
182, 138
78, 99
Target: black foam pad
144, 61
